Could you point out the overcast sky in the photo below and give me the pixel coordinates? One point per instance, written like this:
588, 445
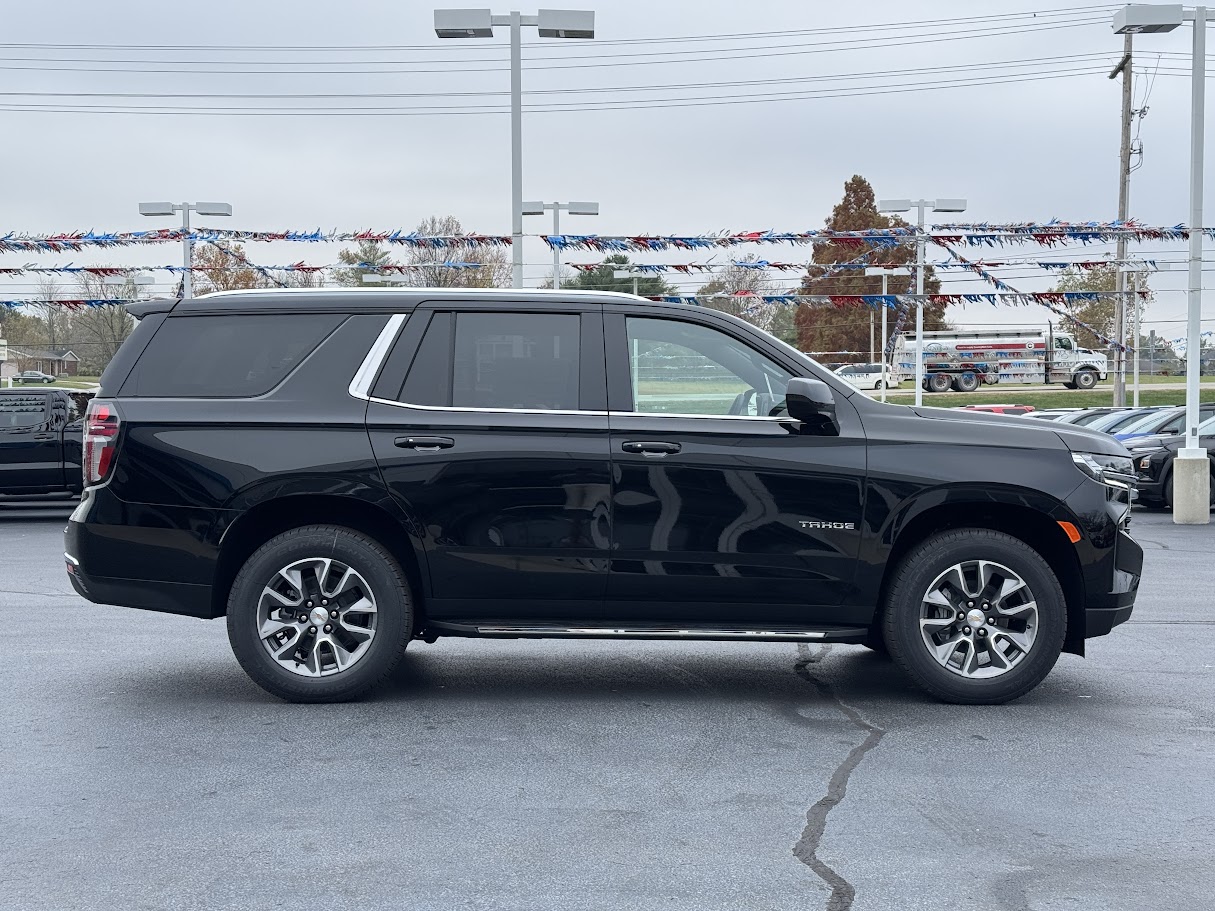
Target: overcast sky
1020, 147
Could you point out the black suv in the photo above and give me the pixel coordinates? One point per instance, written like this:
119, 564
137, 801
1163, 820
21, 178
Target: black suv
341, 472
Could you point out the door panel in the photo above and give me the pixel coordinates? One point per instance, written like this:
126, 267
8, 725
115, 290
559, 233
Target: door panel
725, 516
30, 448
512, 504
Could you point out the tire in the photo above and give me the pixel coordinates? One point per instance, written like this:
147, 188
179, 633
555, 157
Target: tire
967, 382
1168, 491
1085, 379
318, 559
939, 382
1028, 636
1069, 385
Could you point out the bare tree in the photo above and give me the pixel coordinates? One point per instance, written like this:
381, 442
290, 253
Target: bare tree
425, 265
100, 331
56, 319
734, 290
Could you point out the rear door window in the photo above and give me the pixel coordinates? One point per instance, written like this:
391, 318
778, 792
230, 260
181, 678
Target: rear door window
234, 356
20, 413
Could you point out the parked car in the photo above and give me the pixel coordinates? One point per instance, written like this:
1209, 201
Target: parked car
1114, 421
340, 473
1165, 423
40, 438
867, 376
998, 409
33, 376
1086, 417
1051, 414
1153, 457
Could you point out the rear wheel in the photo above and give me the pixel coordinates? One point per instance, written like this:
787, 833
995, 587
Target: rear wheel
967, 382
319, 614
939, 382
975, 616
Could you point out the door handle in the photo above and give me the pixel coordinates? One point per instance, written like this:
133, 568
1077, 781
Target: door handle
424, 444
651, 447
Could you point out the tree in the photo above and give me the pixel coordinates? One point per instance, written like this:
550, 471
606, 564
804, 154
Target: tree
98, 332
55, 318
1099, 313
425, 263
733, 291
828, 329
603, 279
226, 267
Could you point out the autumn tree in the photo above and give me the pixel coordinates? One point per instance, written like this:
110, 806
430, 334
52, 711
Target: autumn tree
735, 290
1098, 313
828, 329
425, 267
98, 332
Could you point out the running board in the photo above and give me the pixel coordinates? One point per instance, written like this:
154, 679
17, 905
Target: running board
561, 631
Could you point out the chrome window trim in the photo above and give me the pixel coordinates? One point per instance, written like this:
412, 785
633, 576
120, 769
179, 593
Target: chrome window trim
360, 386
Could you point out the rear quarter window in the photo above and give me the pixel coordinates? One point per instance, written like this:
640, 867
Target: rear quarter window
19, 412
228, 356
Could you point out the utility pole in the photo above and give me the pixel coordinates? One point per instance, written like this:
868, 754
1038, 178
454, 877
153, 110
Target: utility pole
1124, 192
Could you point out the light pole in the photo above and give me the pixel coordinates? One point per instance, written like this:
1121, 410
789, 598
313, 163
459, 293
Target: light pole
187, 242
1191, 474
574, 208
479, 23
627, 273
1130, 275
885, 273
906, 205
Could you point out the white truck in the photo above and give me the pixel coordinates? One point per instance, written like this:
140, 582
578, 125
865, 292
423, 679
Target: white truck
963, 360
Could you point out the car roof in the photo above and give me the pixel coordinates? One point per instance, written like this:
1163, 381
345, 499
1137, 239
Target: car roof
394, 299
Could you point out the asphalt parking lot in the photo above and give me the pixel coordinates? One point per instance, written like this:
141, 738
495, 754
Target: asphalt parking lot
141, 769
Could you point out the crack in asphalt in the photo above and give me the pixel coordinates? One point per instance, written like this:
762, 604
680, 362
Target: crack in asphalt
806, 850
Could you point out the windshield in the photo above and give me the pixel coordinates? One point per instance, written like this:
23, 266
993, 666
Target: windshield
1116, 420
1149, 422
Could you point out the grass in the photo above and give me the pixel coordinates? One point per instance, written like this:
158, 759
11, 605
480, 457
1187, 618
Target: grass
1066, 398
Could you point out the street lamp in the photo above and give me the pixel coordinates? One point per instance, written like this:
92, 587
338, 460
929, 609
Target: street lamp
479, 23
906, 205
885, 273
627, 273
187, 242
1191, 476
574, 208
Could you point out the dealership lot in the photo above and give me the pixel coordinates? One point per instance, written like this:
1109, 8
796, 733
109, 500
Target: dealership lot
143, 769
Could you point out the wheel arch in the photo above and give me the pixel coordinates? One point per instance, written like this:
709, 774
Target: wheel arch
271, 517
1034, 527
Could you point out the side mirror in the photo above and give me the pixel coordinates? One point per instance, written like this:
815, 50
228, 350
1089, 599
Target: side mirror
811, 402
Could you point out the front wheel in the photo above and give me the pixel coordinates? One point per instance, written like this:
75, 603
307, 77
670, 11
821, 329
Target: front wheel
939, 382
319, 614
1086, 379
975, 616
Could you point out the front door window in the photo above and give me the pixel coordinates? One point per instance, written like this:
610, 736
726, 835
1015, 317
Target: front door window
684, 368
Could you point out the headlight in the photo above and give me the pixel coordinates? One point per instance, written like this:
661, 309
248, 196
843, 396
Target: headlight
1143, 457
1116, 471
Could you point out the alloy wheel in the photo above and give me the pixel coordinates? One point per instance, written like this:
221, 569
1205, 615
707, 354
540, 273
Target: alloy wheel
978, 619
316, 617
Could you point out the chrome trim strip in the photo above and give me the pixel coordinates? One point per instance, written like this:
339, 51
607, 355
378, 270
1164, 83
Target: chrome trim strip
672, 633
70, 559
360, 386
631, 414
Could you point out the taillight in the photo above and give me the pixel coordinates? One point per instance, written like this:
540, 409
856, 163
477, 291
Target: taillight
101, 425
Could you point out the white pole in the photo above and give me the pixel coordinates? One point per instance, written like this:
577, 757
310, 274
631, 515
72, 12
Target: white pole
187, 245
919, 306
884, 339
871, 355
1192, 478
1135, 330
556, 250
516, 151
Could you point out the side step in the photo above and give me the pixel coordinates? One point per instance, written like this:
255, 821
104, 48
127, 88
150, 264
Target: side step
534, 630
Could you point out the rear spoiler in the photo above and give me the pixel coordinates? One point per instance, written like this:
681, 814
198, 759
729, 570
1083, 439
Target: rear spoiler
141, 309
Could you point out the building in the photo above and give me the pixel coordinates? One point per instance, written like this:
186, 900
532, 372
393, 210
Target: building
60, 362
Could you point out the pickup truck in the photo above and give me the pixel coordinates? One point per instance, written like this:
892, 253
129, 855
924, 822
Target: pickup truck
40, 441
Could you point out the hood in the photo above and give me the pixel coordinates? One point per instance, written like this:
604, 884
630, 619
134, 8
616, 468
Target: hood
1156, 441
1036, 433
